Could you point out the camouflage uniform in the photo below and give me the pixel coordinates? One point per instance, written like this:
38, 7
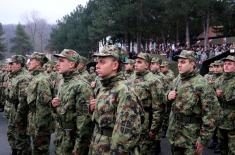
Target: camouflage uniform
73, 131
150, 92
130, 73
117, 114
39, 96
17, 97
82, 71
194, 111
226, 131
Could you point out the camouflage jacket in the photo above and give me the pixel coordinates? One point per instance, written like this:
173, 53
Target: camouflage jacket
194, 112
150, 92
85, 75
71, 114
119, 110
39, 96
18, 96
227, 101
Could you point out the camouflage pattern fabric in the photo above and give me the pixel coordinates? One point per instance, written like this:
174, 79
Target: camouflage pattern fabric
39, 96
150, 92
194, 113
74, 130
117, 118
226, 131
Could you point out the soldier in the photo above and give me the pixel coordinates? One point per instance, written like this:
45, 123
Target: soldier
150, 91
39, 96
225, 90
17, 97
129, 68
82, 69
71, 106
194, 110
155, 68
166, 71
117, 113
210, 76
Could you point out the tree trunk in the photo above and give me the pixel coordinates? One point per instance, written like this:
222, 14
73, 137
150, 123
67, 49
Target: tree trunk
138, 42
187, 34
206, 29
177, 32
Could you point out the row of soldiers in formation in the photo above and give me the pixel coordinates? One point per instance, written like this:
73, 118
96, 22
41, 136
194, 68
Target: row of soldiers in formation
116, 112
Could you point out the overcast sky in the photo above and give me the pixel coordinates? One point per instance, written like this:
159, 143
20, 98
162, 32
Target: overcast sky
15, 11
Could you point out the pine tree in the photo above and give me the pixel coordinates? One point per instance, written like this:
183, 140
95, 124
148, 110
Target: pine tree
21, 42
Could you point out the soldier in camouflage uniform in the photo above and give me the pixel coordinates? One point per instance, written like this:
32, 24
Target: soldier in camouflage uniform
166, 71
129, 68
155, 68
117, 113
195, 109
71, 106
210, 76
82, 69
225, 90
17, 97
150, 92
39, 96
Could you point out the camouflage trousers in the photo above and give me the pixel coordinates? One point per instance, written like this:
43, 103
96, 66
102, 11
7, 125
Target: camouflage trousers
64, 141
41, 143
149, 146
11, 132
182, 151
101, 145
7, 109
226, 139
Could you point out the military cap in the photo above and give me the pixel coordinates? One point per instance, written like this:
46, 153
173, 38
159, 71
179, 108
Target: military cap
218, 63
110, 50
211, 64
186, 54
18, 59
230, 58
39, 56
164, 63
69, 54
156, 60
144, 56
83, 60
129, 61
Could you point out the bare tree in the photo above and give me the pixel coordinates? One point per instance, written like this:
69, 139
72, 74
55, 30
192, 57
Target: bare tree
38, 29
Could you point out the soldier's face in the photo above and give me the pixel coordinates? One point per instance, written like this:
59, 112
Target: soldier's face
129, 67
106, 67
211, 69
229, 66
64, 65
15, 67
33, 64
185, 66
154, 67
218, 69
141, 65
164, 69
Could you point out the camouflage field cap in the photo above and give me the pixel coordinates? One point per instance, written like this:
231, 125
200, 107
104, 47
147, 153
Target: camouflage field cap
211, 64
156, 60
230, 58
18, 59
218, 63
83, 60
39, 56
164, 63
69, 54
185, 54
144, 56
109, 50
129, 61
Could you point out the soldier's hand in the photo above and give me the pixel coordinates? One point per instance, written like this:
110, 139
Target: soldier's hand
171, 95
218, 92
93, 84
55, 102
92, 104
199, 148
152, 135
75, 153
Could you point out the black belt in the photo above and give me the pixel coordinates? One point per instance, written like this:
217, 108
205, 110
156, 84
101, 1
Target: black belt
147, 109
105, 131
187, 119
